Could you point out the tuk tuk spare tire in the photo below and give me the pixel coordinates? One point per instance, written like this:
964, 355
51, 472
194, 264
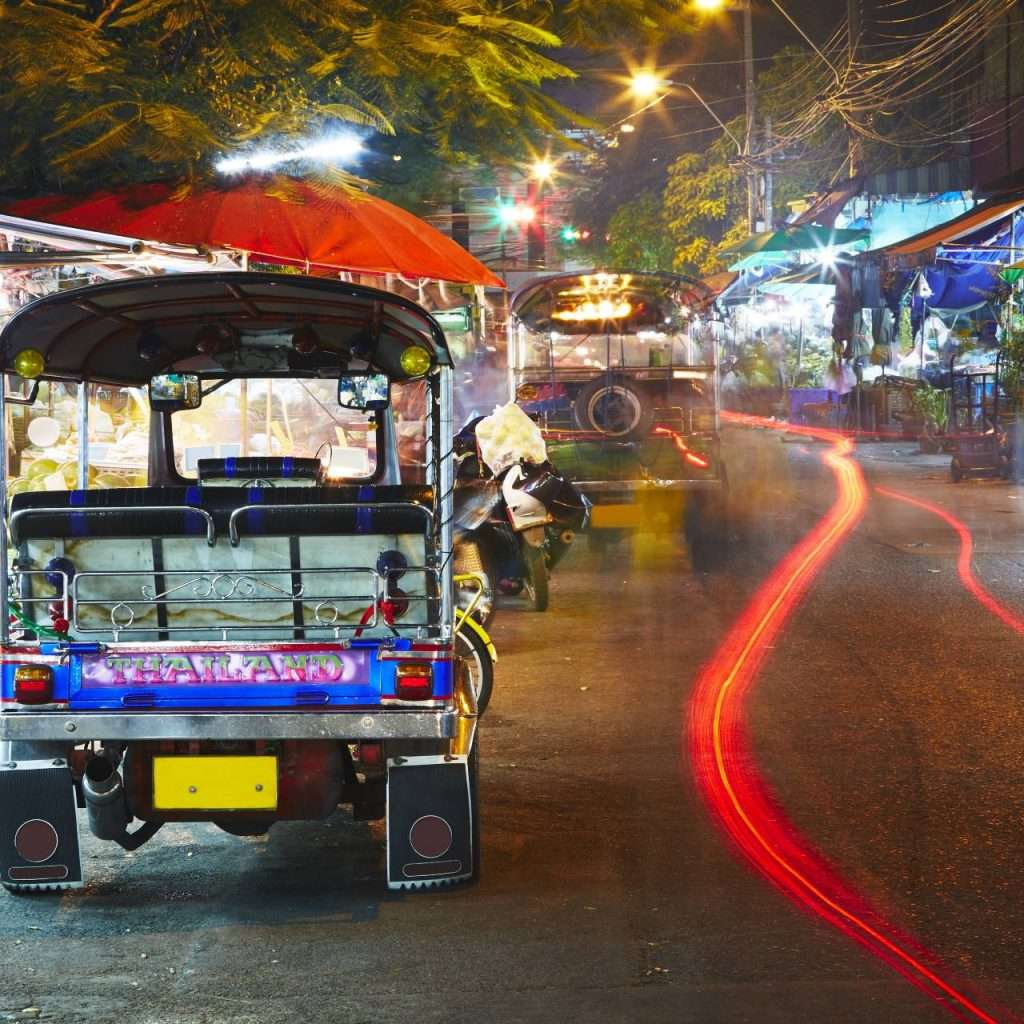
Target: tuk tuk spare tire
615, 407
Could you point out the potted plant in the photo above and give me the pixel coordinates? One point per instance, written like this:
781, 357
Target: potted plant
932, 405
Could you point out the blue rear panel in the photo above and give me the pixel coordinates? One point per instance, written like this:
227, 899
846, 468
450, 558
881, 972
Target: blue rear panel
239, 676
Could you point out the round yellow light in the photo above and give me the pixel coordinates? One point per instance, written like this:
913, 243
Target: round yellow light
29, 363
415, 361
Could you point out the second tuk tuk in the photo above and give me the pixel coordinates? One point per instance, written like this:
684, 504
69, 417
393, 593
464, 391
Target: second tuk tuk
625, 384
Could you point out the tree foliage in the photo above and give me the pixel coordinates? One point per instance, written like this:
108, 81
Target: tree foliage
101, 91
705, 196
638, 238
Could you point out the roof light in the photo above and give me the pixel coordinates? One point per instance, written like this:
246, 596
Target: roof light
415, 361
334, 150
29, 363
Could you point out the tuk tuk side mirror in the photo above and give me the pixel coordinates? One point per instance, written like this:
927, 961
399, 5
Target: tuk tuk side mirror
365, 392
170, 392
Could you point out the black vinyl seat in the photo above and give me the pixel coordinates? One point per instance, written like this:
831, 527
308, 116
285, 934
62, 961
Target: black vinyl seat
117, 512
204, 511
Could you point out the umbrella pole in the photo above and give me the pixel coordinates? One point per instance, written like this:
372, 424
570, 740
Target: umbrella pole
270, 417
243, 412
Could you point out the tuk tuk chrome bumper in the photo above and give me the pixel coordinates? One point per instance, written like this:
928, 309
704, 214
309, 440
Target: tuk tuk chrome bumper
359, 724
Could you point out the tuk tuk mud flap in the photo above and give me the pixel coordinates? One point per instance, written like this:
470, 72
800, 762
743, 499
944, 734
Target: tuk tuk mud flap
429, 821
39, 826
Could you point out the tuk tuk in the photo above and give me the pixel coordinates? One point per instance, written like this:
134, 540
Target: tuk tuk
256, 622
624, 381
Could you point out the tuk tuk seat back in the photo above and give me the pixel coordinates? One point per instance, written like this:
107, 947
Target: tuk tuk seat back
148, 572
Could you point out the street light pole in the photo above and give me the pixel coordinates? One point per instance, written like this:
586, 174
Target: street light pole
748, 75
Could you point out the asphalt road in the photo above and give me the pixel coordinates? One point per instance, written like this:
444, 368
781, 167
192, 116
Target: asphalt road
886, 721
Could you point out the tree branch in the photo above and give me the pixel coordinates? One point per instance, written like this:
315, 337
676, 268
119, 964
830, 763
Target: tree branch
107, 13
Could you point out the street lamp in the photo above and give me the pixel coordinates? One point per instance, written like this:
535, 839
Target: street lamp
542, 169
646, 85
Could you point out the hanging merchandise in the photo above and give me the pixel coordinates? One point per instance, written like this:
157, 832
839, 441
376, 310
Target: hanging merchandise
905, 336
883, 350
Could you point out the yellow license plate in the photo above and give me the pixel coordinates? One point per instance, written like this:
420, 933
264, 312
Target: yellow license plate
215, 783
611, 517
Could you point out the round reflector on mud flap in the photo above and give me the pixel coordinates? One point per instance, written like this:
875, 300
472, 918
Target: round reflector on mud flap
36, 840
430, 837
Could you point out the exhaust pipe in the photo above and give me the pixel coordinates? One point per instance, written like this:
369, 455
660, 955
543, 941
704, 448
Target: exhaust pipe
108, 806
567, 537
105, 799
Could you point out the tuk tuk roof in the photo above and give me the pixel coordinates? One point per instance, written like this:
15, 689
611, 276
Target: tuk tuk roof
124, 332
689, 291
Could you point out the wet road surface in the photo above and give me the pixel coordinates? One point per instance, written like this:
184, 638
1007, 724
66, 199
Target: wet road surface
886, 721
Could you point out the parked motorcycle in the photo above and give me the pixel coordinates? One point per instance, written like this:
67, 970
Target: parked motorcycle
512, 530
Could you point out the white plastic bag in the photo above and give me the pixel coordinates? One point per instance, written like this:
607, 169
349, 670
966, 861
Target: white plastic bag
508, 435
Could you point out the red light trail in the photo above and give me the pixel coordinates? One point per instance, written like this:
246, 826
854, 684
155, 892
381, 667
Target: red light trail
963, 565
723, 761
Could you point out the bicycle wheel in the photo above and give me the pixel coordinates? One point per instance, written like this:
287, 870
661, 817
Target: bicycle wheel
469, 646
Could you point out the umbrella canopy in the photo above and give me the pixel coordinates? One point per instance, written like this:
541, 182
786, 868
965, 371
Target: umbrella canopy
812, 283
1013, 273
802, 238
290, 223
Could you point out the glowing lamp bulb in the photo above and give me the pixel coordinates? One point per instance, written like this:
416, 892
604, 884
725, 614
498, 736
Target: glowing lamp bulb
29, 363
645, 85
415, 361
542, 169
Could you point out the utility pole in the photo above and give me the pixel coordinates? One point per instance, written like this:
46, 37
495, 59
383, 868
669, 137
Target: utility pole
769, 199
853, 26
748, 75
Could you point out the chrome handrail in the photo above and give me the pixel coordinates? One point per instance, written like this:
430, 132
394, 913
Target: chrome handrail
368, 506
24, 513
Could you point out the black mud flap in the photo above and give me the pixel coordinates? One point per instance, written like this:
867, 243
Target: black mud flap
38, 827
429, 822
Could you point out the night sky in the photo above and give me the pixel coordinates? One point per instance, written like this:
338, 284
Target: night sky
711, 60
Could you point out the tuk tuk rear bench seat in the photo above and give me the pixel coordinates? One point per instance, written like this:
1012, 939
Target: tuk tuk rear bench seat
148, 512
318, 544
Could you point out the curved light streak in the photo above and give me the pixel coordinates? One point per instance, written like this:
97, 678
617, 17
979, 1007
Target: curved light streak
723, 761
963, 565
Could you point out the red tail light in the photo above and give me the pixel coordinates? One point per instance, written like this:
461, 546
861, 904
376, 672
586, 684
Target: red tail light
414, 681
33, 684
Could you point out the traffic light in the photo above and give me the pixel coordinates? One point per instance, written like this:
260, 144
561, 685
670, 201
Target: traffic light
574, 234
512, 214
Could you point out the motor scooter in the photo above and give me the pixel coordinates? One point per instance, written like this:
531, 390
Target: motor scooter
513, 529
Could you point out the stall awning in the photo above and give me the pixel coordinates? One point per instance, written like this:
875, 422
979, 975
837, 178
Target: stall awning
987, 215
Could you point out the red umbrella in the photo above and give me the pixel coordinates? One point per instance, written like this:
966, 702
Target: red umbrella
293, 224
